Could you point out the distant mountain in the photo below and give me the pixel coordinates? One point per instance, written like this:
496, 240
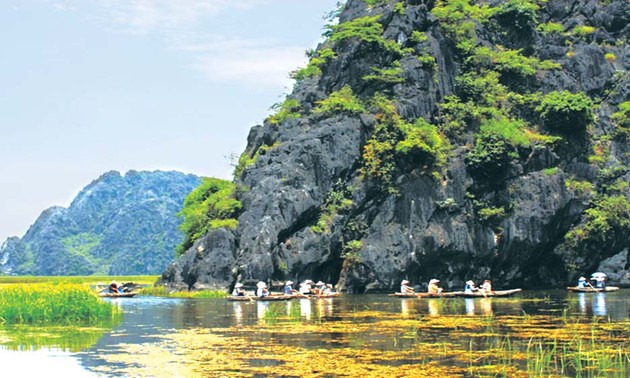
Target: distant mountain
116, 225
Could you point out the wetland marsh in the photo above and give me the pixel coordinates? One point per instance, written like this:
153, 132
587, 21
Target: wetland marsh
551, 333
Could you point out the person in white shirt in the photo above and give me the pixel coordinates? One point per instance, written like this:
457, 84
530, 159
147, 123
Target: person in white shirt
405, 288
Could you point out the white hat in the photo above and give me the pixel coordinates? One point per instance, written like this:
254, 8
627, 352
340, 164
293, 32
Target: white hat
320, 283
582, 278
307, 282
470, 282
261, 284
404, 282
434, 281
238, 285
114, 283
289, 283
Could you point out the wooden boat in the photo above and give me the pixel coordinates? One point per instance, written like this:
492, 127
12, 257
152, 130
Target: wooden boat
263, 299
329, 295
592, 289
116, 295
447, 294
495, 293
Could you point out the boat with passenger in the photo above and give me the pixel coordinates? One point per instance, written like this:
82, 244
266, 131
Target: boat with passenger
484, 294
117, 295
606, 289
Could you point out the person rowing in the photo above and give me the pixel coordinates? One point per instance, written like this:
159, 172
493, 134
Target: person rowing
433, 287
238, 290
328, 289
470, 287
262, 291
405, 288
583, 283
306, 288
319, 288
113, 288
288, 288
486, 287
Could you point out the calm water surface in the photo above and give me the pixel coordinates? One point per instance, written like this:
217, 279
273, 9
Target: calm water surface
198, 337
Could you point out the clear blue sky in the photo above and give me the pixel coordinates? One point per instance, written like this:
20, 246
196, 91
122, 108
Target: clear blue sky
89, 86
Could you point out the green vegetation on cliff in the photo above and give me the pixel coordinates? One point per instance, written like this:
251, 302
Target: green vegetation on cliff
211, 205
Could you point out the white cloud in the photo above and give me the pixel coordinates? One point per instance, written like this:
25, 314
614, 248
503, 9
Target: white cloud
260, 67
146, 16
259, 63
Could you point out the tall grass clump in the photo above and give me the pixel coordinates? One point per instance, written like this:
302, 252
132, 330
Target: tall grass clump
162, 291
64, 304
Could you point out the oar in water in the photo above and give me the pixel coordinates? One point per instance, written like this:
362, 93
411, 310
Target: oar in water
592, 287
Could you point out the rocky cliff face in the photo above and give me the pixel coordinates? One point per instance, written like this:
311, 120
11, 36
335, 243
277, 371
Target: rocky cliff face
116, 225
452, 139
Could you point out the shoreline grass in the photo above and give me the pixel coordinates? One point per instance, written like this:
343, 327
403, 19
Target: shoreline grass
48, 304
86, 280
161, 291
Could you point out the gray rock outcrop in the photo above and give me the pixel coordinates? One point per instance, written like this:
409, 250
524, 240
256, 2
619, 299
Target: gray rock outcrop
432, 226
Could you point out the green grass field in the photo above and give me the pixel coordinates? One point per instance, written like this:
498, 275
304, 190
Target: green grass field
86, 280
45, 304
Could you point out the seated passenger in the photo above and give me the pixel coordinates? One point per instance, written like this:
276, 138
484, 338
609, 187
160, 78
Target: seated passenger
405, 288
328, 289
306, 288
319, 288
470, 287
262, 291
486, 287
113, 287
433, 287
599, 283
288, 288
238, 290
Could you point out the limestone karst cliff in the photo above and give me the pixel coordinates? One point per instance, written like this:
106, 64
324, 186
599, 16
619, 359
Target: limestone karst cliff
453, 139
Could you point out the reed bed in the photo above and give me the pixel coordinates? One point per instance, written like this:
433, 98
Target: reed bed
87, 280
45, 304
161, 291
578, 357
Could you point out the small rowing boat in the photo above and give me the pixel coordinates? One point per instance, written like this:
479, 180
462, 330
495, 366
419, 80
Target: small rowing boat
116, 295
480, 294
262, 299
329, 295
592, 289
448, 294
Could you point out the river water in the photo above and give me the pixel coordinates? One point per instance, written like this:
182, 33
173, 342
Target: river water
373, 334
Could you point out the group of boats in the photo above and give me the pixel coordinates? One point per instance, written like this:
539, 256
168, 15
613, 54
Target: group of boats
280, 297
447, 294
127, 290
